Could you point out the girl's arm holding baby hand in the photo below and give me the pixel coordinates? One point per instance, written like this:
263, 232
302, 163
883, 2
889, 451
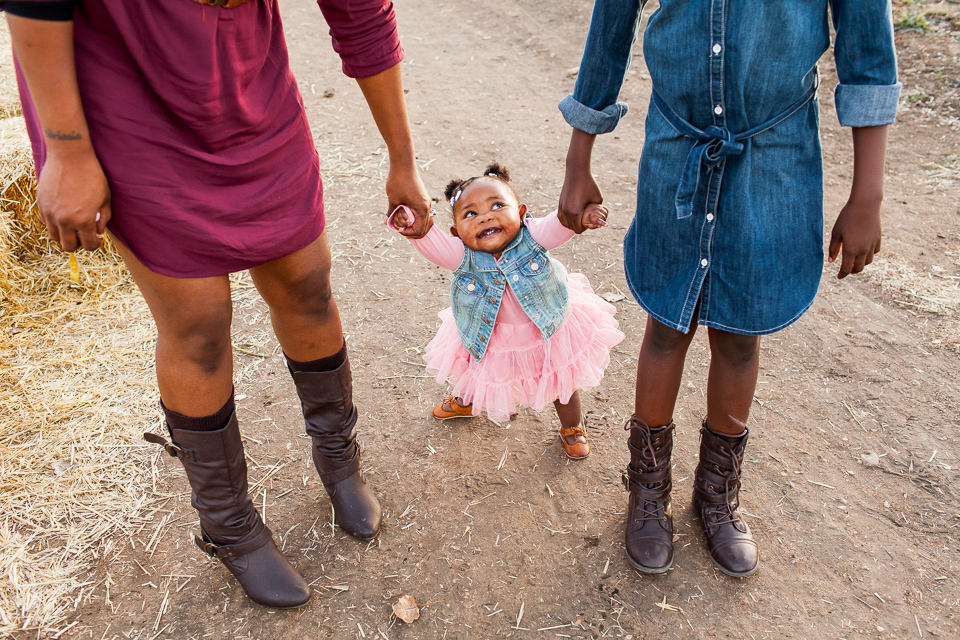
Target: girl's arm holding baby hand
857, 229
581, 201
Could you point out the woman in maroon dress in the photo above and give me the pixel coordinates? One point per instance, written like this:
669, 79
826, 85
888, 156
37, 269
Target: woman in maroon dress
178, 127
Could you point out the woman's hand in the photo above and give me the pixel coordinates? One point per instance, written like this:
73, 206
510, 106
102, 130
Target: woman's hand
580, 189
404, 187
72, 191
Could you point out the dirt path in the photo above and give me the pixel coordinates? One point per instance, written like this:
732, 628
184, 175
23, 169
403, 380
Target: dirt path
852, 480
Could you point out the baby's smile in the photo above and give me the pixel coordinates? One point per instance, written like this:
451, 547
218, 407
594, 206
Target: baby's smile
486, 233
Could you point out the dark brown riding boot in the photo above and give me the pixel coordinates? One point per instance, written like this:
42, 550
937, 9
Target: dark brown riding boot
649, 532
231, 528
331, 418
716, 499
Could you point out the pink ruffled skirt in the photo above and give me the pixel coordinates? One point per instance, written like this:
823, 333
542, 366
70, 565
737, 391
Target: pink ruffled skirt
519, 367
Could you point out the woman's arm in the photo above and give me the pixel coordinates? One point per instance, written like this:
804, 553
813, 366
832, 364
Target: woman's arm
72, 187
384, 95
365, 36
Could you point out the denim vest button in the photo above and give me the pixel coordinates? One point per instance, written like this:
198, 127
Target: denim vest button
534, 266
717, 48
470, 287
516, 277
703, 263
718, 109
709, 217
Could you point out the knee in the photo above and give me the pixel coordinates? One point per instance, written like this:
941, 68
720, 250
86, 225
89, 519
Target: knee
200, 336
735, 349
665, 341
307, 294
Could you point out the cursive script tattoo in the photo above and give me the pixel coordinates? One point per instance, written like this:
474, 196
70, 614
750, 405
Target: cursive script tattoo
59, 135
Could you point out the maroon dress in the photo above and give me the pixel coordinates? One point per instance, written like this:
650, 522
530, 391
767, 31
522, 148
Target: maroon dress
200, 127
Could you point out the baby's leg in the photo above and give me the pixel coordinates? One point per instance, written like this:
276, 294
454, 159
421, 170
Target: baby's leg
572, 434
734, 365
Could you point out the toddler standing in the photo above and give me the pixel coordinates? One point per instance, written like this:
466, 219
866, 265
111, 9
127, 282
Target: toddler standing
520, 330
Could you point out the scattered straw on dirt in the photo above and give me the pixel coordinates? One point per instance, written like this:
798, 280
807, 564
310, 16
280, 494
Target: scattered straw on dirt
936, 292
76, 387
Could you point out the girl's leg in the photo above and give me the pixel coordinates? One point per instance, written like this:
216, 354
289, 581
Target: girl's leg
304, 314
194, 372
734, 365
649, 533
660, 371
572, 433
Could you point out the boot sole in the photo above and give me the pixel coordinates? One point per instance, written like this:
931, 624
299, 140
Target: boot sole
648, 570
732, 574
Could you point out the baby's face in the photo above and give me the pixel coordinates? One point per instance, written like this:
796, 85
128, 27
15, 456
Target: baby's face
488, 216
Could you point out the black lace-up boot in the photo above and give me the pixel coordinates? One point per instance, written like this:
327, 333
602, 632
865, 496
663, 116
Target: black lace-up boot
716, 499
649, 532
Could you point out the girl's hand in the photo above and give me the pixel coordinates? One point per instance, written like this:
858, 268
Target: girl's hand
857, 234
580, 190
857, 230
595, 216
74, 199
404, 187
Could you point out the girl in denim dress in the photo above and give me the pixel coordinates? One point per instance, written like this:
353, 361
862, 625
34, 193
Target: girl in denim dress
728, 231
520, 329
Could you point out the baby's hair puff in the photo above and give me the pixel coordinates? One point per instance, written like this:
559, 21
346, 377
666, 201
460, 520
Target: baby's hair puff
494, 170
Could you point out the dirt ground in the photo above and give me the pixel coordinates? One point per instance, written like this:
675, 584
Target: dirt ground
851, 482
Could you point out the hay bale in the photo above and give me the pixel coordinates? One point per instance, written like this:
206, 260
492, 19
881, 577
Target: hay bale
9, 97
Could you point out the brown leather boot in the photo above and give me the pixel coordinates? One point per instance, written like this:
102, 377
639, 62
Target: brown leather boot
716, 499
331, 418
231, 529
649, 532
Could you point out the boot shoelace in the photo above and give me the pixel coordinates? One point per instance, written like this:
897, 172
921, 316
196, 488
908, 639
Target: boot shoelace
651, 509
726, 513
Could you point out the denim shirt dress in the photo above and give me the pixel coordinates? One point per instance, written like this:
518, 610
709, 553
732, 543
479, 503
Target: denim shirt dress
730, 187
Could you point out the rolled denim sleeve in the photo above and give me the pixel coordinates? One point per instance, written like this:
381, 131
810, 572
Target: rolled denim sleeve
593, 106
868, 92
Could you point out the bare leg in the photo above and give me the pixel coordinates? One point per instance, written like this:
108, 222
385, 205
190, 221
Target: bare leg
734, 367
194, 355
660, 371
569, 413
303, 311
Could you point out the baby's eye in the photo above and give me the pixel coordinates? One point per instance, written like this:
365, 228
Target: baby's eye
469, 214
497, 205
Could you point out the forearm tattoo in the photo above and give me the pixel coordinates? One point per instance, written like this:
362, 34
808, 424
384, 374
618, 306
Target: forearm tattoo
60, 135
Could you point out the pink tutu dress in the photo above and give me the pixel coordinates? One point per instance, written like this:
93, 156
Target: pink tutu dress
519, 367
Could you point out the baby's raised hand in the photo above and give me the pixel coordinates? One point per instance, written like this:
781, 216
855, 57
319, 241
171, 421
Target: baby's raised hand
401, 218
594, 216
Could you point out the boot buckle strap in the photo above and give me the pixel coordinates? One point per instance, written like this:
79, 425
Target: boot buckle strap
171, 448
228, 551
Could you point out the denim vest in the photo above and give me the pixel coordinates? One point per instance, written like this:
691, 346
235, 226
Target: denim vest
537, 280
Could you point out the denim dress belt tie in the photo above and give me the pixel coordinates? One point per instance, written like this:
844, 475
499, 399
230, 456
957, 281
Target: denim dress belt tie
716, 144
